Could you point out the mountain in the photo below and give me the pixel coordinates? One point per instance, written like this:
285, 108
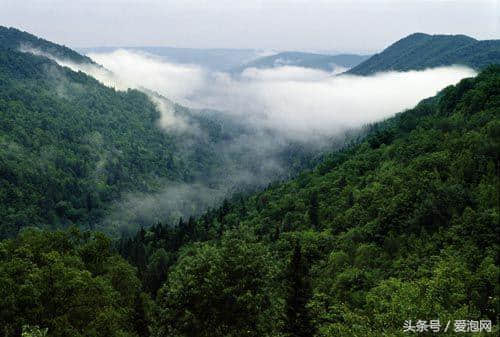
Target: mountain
213, 59
14, 39
403, 224
305, 60
76, 152
72, 147
420, 51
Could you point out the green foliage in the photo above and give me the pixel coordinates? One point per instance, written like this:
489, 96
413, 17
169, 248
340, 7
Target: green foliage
402, 226
70, 147
73, 151
11, 38
221, 290
70, 283
33, 331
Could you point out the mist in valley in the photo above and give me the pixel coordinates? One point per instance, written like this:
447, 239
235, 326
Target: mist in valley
274, 122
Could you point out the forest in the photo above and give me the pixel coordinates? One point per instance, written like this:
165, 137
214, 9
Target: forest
73, 149
399, 225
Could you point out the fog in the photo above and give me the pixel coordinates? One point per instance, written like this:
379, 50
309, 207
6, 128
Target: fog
297, 102
276, 117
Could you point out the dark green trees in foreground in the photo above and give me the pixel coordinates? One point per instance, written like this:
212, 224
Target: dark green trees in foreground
69, 283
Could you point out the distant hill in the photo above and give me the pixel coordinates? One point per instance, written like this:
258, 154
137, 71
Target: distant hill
12, 38
419, 51
213, 59
305, 60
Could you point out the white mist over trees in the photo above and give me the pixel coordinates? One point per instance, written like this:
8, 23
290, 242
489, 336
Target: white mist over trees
280, 120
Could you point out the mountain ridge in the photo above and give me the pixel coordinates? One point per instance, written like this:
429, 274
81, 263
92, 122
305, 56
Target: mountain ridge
304, 59
15, 39
419, 51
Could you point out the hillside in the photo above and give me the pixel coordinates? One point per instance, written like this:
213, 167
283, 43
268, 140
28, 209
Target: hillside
70, 145
14, 39
305, 60
77, 152
403, 225
420, 51
400, 225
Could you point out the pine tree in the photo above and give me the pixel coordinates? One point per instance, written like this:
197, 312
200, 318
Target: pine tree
298, 321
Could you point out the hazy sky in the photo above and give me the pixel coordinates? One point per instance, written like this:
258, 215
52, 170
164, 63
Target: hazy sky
336, 25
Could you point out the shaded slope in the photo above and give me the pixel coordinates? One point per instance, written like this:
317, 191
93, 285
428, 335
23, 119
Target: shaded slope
420, 51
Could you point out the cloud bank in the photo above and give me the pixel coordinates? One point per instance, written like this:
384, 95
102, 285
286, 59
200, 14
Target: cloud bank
303, 102
297, 102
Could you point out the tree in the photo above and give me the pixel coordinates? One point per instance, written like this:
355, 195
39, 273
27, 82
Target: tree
314, 210
50, 279
299, 291
221, 290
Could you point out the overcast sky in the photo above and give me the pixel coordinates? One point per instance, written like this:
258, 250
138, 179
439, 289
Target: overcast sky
334, 25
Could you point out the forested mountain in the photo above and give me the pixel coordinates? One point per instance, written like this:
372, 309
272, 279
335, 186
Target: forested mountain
400, 226
71, 145
72, 148
14, 39
305, 60
420, 51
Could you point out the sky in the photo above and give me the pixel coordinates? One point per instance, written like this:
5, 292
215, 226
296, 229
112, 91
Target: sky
362, 26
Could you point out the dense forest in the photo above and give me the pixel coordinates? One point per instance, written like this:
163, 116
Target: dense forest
400, 226
420, 51
72, 148
75, 151
70, 145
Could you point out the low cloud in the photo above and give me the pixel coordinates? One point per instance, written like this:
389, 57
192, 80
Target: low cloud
140, 70
272, 115
302, 102
297, 102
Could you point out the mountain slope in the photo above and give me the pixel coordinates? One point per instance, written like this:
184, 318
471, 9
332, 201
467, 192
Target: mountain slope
75, 151
70, 144
305, 60
419, 51
400, 226
14, 39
